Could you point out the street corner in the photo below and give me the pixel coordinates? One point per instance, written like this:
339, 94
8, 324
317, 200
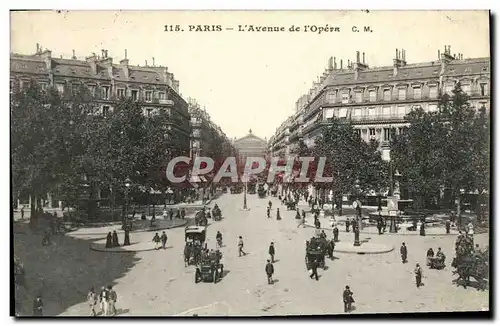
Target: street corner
365, 248
159, 225
133, 247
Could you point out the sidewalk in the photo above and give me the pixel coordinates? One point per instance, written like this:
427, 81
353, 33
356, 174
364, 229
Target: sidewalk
139, 226
429, 231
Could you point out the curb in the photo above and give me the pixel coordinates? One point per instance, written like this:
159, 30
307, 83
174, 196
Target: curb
388, 233
137, 231
118, 251
365, 253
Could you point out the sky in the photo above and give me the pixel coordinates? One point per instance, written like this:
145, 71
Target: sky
250, 80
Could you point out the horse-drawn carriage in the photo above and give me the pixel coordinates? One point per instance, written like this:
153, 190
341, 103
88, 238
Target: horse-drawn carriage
316, 250
469, 263
236, 189
200, 218
216, 213
209, 268
291, 205
195, 237
261, 191
274, 192
252, 189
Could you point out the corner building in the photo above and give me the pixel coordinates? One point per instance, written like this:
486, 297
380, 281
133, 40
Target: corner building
376, 100
154, 87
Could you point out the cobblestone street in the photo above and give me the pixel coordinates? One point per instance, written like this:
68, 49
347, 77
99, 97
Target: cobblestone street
159, 284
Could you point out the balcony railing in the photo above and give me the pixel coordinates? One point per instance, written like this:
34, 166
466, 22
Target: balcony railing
377, 117
166, 102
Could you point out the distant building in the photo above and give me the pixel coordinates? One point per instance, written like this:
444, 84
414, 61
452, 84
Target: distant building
250, 146
207, 138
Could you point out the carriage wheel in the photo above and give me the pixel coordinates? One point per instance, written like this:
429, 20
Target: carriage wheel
214, 277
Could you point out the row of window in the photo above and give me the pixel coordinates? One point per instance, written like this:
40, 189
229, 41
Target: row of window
105, 91
386, 133
402, 93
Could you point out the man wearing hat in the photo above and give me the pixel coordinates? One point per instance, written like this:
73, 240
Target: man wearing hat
269, 272
348, 299
271, 252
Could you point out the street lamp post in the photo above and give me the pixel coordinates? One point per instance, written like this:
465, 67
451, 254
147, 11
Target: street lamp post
245, 196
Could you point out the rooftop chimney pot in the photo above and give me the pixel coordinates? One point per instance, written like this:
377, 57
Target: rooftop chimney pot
357, 56
363, 58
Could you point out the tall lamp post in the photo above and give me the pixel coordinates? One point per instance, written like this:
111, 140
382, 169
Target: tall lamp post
127, 186
245, 195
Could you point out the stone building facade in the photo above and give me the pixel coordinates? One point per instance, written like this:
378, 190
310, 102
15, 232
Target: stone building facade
250, 146
152, 86
376, 100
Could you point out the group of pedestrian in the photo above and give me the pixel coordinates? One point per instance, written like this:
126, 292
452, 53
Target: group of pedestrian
112, 240
269, 266
179, 213
106, 299
163, 239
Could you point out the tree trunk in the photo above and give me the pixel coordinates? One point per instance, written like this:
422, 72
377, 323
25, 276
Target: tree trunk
149, 203
112, 203
33, 209
459, 213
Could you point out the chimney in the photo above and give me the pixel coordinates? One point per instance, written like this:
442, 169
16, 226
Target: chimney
146, 62
92, 61
125, 53
38, 48
439, 55
330, 63
446, 58
404, 55
334, 63
74, 56
153, 61
363, 58
348, 64
397, 54
47, 57
340, 64
357, 56
106, 53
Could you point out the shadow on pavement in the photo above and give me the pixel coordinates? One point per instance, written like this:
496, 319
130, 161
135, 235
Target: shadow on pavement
224, 273
64, 271
276, 280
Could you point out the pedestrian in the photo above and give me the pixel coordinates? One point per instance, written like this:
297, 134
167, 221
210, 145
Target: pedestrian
126, 240
269, 272
112, 300
183, 213
109, 240
418, 275
38, 306
336, 233
447, 226
103, 298
314, 270
268, 212
240, 247
278, 216
347, 224
270, 205
115, 239
348, 299
170, 214
92, 300
272, 251
404, 252
156, 240
22, 212
164, 240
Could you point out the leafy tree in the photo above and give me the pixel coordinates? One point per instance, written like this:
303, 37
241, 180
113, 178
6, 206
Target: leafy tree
448, 148
46, 135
